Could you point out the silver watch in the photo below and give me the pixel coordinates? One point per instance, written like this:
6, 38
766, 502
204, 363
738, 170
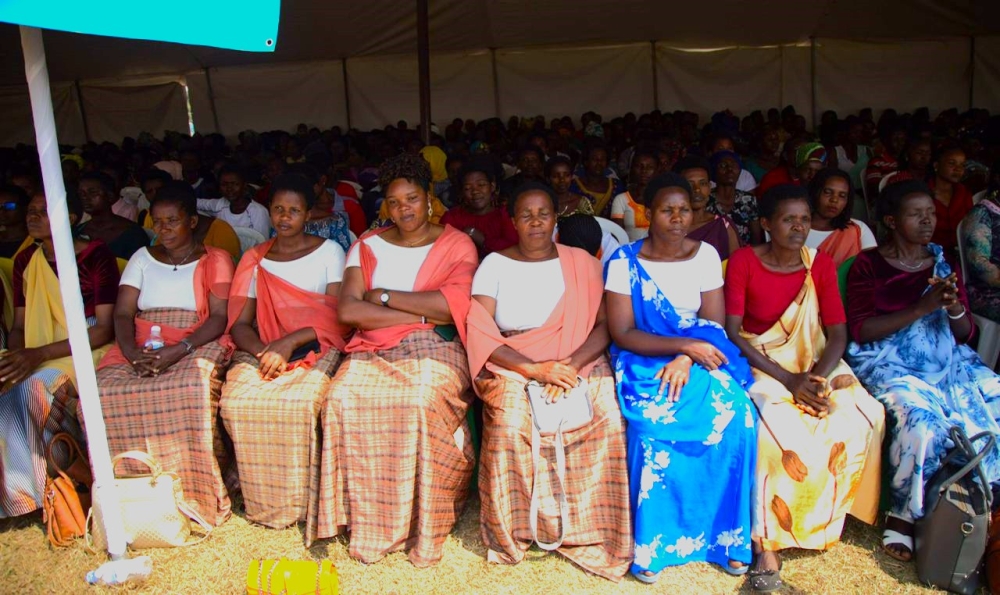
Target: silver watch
187, 345
384, 298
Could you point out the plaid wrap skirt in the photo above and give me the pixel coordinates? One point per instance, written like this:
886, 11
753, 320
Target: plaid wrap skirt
174, 417
599, 536
274, 426
397, 451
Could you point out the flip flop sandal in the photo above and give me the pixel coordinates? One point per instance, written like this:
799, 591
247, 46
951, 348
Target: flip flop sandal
890, 537
742, 570
766, 581
649, 579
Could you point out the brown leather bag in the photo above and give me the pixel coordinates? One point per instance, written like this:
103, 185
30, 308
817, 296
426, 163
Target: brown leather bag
63, 505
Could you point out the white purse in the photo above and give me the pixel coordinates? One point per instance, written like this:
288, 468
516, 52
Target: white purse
152, 506
569, 413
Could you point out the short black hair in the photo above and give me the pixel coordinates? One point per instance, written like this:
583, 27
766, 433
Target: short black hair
530, 148
842, 220
531, 186
581, 231
693, 162
406, 166
768, 204
296, 183
155, 173
234, 169
483, 166
664, 180
557, 160
305, 170
179, 193
595, 145
107, 182
892, 196
17, 193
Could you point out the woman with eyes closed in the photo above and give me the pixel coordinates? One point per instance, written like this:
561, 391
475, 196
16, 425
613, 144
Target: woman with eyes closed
538, 314
819, 433
397, 450
164, 400
283, 319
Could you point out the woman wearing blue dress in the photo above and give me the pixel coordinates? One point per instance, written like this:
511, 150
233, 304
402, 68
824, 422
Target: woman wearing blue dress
692, 437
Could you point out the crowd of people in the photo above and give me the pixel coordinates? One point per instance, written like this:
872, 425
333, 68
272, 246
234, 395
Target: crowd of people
745, 310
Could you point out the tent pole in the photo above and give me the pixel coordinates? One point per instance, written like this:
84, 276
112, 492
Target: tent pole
211, 100
105, 494
972, 71
83, 110
812, 78
424, 71
656, 83
347, 94
496, 83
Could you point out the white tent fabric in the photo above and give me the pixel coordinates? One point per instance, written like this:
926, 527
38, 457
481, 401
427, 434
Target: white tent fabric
550, 58
116, 111
385, 89
905, 76
16, 125
560, 81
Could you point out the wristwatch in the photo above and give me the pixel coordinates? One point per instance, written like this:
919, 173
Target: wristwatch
384, 298
187, 345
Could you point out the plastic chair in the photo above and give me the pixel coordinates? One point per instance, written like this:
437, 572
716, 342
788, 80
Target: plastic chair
352, 237
122, 263
609, 226
842, 272
248, 238
979, 196
885, 181
989, 331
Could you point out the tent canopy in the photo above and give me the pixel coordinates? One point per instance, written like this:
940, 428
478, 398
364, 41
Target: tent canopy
313, 30
354, 64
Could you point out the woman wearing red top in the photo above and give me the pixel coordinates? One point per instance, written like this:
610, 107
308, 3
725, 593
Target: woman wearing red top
952, 200
489, 227
820, 433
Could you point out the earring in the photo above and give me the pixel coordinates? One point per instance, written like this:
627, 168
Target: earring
430, 210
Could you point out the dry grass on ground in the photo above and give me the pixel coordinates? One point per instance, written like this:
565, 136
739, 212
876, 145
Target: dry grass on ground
219, 565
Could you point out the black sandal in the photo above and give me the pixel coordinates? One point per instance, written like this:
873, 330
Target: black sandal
766, 581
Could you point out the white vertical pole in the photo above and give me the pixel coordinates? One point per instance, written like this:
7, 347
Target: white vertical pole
37, 74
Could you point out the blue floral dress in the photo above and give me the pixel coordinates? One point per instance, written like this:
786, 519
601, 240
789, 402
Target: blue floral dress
927, 383
691, 462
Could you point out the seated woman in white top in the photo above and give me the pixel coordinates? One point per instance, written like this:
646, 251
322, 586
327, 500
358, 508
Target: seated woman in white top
397, 449
681, 386
162, 397
283, 316
538, 315
831, 195
236, 207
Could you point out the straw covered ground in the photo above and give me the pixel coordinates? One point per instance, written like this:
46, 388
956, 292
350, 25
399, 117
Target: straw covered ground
29, 565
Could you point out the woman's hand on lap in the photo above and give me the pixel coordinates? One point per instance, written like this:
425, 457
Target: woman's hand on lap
810, 393
161, 359
274, 359
558, 373
18, 364
674, 377
705, 354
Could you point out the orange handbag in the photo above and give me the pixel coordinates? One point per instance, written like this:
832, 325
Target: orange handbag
62, 505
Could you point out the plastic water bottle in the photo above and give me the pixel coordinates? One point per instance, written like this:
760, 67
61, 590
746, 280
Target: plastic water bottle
117, 572
155, 340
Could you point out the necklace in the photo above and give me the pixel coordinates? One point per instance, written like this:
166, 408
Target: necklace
528, 259
910, 267
186, 256
415, 243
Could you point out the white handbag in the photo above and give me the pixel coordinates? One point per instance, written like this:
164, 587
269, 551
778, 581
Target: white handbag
569, 413
153, 509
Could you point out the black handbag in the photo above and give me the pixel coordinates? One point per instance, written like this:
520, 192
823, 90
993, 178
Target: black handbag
951, 536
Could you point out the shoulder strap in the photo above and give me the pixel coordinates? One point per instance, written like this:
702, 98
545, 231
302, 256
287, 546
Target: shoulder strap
560, 447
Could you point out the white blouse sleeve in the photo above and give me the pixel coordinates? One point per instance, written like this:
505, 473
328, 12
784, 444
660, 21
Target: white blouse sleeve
354, 256
133, 273
711, 265
333, 260
618, 277
487, 279
867, 237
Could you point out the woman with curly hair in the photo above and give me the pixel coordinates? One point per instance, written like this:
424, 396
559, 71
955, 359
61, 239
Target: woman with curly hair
397, 451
